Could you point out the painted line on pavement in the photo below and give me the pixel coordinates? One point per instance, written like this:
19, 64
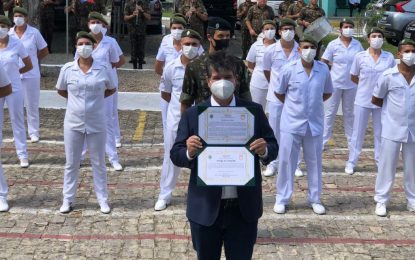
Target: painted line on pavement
139, 130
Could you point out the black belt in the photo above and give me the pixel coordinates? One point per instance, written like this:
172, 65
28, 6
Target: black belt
229, 203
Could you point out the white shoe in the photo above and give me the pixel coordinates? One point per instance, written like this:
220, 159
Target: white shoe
349, 170
34, 139
118, 144
270, 171
104, 207
381, 209
318, 208
66, 207
117, 166
4, 206
298, 173
24, 163
161, 205
410, 207
279, 208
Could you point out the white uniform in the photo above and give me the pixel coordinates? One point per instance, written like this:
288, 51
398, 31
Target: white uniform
172, 82
274, 60
301, 126
4, 81
33, 42
85, 119
105, 53
9, 60
258, 84
369, 72
398, 129
341, 58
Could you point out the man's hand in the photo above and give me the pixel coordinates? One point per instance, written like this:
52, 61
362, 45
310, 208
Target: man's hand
193, 143
306, 24
252, 32
259, 146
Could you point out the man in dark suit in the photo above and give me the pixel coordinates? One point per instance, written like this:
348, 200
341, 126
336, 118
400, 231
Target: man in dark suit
223, 215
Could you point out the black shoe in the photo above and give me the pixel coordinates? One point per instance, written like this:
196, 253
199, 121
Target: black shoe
135, 64
140, 66
144, 62
131, 61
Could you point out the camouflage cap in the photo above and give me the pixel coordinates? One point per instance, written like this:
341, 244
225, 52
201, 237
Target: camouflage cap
375, 30
265, 22
97, 16
287, 21
406, 42
5, 20
346, 20
20, 10
178, 20
83, 34
219, 24
309, 39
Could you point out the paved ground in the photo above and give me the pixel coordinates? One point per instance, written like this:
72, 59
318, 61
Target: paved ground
33, 229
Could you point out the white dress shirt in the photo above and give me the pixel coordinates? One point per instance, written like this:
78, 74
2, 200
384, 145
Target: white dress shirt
4, 79
256, 55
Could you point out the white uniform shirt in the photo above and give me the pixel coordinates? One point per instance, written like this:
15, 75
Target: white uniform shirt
354, 1
341, 58
172, 82
167, 52
369, 72
274, 59
398, 110
303, 105
4, 79
9, 60
33, 42
85, 107
256, 55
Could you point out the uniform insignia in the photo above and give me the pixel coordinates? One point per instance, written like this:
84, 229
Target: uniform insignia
217, 26
188, 33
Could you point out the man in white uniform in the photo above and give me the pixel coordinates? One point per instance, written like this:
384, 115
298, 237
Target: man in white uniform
339, 56
275, 57
172, 82
395, 93
302, 86
37, 49
365, 71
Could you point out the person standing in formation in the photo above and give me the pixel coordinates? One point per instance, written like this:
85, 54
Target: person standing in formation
366, 69
246, 37
47, 20
195, 14
257, 14
283, 8
395, 93
171, 88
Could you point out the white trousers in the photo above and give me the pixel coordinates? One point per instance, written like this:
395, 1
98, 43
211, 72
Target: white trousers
288, 159
361, 118
31, 91
388, 160
169, 172
74, 142
116, 124
347, 97
259, 96
15, 104
3, 183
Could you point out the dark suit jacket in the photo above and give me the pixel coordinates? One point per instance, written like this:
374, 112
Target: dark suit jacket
203, 203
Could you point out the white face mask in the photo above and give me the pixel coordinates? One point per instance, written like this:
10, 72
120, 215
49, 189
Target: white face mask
95, 28
408, 58
190, 51
348, 32
376, 43
18, 21
104, 30
269, 34
308, 55
222, 89
288, 35
84, 51
176, 34
3, 32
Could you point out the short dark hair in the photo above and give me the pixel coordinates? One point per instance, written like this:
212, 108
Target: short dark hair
221, 61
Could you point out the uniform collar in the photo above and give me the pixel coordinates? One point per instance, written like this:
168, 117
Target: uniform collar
382, 53
178, 62
28, 30
77, 68
352, 42
278, 47
215, 104
300, 68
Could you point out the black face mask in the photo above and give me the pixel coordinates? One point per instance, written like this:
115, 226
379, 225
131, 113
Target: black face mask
221, 44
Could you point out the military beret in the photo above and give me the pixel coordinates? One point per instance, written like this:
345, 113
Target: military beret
5, 20
308, 39
20, 10
265, 22
179, 15
346, 20
97, 16
178, 20
83, 34
287, 21
407, 42
375, 30
192, 34
219, 24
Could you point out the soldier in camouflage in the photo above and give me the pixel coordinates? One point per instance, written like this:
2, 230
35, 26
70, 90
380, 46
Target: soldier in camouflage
257, 14
47, 20
294, 10
82, 8
283, 8
195, 14
310, 13
246, 37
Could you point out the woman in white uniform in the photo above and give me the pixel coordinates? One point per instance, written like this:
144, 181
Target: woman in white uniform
259, 84
37, 49
85, 83
5, 90
11, 51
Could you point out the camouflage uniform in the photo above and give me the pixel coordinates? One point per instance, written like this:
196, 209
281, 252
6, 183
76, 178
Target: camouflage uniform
310, 13
195, 23
47, 20
9, 5
295, 8
195, 86
82, 8
256, 15
283, 8
137, 30
246, 38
